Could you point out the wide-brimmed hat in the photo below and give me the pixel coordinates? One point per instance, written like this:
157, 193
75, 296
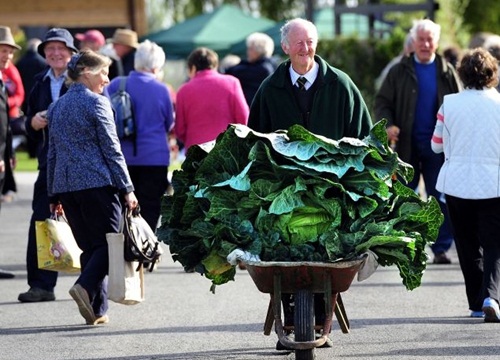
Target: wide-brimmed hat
125, 37
6, 37
92, 35
57, 34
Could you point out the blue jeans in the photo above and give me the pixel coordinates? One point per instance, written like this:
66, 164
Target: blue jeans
427, 163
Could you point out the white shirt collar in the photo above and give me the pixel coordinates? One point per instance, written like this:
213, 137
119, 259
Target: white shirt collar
425, 63
310, 75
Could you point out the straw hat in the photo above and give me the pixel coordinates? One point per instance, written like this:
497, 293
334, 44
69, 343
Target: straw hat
125, 37
6, 37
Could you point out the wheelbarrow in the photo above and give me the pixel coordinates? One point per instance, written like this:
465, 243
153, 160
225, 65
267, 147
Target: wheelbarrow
304, 279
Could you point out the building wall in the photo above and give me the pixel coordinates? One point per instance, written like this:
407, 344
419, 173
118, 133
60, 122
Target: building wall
74, 14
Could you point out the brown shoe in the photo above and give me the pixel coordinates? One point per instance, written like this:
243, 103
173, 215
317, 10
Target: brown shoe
81, 297
441, 258
100, 320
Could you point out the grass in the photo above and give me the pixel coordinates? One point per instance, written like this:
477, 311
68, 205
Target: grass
24, 162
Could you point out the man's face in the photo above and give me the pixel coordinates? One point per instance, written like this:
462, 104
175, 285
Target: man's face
425, 45
6, 55
122, 50
301, 48
57, 55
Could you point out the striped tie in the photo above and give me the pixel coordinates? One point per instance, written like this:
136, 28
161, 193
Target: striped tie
301, 81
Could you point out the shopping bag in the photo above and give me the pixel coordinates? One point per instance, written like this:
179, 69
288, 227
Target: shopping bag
125, 278
56, 246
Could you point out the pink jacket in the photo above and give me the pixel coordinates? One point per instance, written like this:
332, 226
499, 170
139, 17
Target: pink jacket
206, 105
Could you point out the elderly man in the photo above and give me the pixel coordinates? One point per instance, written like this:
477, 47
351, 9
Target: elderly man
409, 99
56, 47
7, 49
288, 95
257, 66
306, 90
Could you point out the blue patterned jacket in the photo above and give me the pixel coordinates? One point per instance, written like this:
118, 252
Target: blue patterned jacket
84, 150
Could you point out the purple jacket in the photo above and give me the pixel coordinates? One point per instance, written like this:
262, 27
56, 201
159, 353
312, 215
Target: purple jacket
154, 117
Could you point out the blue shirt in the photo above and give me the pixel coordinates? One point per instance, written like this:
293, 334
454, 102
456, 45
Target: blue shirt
56, 83
427, 102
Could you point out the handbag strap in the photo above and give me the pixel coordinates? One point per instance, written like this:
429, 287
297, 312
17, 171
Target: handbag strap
126, 216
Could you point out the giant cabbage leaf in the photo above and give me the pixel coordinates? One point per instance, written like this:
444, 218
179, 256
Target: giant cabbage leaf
296, 196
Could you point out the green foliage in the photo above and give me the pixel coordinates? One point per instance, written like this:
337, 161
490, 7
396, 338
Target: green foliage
180, 10
482, 15
362, 60
294, 196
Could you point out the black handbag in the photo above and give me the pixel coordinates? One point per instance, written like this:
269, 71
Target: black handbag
141, 243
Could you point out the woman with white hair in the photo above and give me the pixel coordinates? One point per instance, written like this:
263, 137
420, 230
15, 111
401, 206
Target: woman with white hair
257, 66
148, 155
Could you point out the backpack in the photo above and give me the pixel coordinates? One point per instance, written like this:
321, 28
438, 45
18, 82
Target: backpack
121, 102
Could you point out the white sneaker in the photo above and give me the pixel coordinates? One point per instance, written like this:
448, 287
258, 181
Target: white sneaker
491, 310
477, 314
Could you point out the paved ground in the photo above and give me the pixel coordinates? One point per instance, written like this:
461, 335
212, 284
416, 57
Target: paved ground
182, 320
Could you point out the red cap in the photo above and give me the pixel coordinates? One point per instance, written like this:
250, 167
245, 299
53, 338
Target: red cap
92, 35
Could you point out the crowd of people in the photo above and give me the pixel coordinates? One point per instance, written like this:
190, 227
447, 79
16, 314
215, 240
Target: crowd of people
432, 104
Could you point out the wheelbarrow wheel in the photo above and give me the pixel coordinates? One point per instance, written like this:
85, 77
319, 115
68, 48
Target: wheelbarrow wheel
304, 322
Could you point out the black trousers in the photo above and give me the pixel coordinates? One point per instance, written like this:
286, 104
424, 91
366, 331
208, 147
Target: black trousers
150, 183
43, 279
288, 309
10, 181
91, 214
476, 228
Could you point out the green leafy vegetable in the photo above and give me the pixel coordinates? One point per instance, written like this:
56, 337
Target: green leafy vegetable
296, 196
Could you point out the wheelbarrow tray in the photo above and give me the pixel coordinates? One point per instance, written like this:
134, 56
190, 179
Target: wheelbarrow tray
304, 275
331, 279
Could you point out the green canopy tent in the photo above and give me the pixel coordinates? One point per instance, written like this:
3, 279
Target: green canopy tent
217, 30
240, 47
324, 19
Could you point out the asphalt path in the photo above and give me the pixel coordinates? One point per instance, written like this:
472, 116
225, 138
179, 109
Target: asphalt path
182, 319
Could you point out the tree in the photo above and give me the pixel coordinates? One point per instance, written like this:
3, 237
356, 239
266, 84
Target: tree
164, 13
481, 15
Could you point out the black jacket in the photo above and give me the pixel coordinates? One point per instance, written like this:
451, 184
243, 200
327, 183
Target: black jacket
251, 75
396, 100
39, 99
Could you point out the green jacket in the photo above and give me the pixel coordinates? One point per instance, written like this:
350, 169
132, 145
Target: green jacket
396, 100
338, 108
